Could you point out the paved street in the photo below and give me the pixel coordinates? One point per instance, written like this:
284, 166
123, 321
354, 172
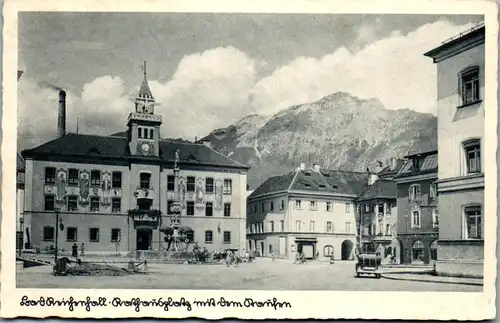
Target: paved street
260, 275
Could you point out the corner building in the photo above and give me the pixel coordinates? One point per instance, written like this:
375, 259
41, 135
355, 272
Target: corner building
108, 189
461, 116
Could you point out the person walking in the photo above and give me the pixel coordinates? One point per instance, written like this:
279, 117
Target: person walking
74, 252
82, 250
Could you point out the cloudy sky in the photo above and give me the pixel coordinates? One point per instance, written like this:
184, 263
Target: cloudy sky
209, 70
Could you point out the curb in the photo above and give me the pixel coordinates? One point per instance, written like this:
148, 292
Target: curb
433, 281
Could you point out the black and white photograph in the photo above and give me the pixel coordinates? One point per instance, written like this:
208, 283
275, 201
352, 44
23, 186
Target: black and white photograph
279, 152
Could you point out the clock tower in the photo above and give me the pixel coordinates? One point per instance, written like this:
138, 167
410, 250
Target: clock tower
143, 124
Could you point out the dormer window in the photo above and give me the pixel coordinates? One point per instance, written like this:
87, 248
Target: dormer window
417, 163
308, 173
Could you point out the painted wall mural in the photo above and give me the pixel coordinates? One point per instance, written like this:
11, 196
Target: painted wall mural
84, 187
182, 191
218, 194
200, 194
106, 188
61, 184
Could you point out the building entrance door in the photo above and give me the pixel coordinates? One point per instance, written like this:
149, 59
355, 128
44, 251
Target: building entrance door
144, 239
262, 249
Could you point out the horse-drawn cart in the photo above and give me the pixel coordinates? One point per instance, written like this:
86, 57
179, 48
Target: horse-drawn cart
368, 264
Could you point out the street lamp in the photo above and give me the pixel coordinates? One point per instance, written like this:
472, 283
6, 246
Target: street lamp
21, 221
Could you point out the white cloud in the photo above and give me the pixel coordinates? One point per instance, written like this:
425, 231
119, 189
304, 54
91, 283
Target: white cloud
219, 86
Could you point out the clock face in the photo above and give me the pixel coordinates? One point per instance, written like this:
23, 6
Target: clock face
145, 147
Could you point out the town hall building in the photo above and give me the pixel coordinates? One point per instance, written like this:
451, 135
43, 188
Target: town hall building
114, 193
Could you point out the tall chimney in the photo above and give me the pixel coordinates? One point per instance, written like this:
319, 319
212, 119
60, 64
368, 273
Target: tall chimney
61, 121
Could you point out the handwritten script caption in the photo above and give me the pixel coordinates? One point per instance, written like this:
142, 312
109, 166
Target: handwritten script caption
137, 304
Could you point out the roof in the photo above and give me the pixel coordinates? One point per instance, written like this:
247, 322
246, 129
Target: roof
473, 36
382, 188
422, 147
388, 172
325, 181
144, 91
116, 147
429, 165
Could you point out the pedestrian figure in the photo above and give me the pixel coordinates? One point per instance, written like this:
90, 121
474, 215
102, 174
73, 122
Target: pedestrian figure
332, 259
229, 258
273, 255
82, 250
74, 249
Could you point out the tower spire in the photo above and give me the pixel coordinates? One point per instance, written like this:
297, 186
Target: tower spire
144, 69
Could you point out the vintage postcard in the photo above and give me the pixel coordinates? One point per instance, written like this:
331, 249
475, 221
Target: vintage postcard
249, 159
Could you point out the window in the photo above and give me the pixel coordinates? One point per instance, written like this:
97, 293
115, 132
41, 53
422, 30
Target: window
116, 205
347, 207
327, 251
208, 236
432, 191
435, 218
262, 227
71, 234
282, 224
139, 132
151, 133
227, 187
94, 234
73, 177
415, 219
116, 180
271, 226
255, 208
95, 178
418, 250
348, 227
190, 235
367, 208
48, 233
282, 205
271, 206
262, 208
298, 205
253, 229
329, 206
329, 226
190, 184
473, 220
414, 193
387, 229
94, 204
145, 179
49, 203
389, 208
209, 185
116, 235
209, 211
170, 183
72, 203
473, 156
227, 236
311, 226
416, 163
380, 208
313, 206
169, 206
227, 209
190, 208
50, 175
469, 85
270, 249
297, 226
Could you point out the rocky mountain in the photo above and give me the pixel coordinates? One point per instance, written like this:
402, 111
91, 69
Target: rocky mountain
340, 131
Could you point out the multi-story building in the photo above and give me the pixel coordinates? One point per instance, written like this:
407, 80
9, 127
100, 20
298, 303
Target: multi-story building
22, 239
377, 212
417, 216
115, 192
461, 116
309, 210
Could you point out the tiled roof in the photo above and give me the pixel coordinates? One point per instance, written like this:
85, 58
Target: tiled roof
327, 181
274, 184
382, 188
117, 147
422, 147
429, 165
